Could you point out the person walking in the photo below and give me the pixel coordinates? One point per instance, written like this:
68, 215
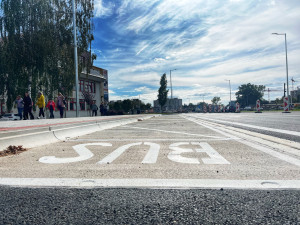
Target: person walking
101, 109
105, 109
51, 106
41, 104
94, 109
61, 104
20, 105
27, 107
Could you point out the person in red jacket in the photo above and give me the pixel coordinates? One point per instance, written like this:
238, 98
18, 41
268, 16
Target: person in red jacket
51, 107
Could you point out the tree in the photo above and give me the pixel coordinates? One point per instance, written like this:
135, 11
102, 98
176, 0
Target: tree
36, 45
88, 98
127, 105
216, 100
117, 106
279, 100
249, 93
162, 91
145, 106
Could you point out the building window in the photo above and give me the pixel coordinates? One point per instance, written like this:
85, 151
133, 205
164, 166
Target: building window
72, 104
82, 104
94, 87
89, 86
81, 85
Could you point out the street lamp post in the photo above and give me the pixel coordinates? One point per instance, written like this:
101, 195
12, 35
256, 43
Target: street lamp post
75, 59
287, 72
171, 83
171, 101
229, 92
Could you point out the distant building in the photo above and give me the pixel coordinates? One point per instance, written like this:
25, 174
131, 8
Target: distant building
172, 105
296, 94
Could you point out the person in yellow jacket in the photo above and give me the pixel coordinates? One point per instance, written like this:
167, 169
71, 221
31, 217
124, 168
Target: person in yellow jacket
41, 104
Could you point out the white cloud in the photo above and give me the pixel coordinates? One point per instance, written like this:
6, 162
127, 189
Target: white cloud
101, 10
208, 41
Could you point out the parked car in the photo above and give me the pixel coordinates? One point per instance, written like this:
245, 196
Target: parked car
10, 116
247, 108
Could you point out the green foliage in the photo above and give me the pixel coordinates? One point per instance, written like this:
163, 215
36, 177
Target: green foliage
249, 93
37, 46
162, 91
117, 106
216, 100
127, 105
279, 100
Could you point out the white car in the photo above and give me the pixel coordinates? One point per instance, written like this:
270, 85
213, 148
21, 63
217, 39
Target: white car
247, 108
10, 116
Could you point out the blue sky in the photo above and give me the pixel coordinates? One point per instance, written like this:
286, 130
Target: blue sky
207, 41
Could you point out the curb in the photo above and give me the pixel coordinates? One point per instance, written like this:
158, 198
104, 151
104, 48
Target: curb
53, 135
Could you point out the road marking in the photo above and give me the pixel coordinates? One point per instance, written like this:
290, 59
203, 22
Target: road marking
266, 150
150, 158
152, 154
295, 133
115, 154
172, 132
214, 156
83, 152
150, 140
152, 183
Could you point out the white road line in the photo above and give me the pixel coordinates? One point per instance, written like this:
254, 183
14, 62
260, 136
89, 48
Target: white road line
266, 150
172, 132
152, 154
83, 152
115, 154
151, 183
295, 133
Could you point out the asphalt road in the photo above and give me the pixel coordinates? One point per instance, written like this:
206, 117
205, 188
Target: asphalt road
264, 123
176, 169
148, 206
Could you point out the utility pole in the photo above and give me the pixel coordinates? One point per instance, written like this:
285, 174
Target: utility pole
229, 93
75, 59
287, 70
171, 100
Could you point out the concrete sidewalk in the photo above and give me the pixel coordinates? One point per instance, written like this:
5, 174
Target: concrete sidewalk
33, 133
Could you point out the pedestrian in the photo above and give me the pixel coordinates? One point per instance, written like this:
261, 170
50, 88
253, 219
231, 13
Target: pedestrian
20, 105
101, 109
105, 109
27, 107
51, 107
61, 104
94, 109
41, 104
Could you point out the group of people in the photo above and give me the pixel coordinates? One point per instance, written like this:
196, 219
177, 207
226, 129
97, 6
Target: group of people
25, 105
103, 109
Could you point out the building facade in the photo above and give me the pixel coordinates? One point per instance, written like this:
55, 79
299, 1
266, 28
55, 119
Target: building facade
172, 105
93, 84
296, 94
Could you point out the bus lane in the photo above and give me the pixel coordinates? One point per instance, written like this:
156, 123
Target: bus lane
169, 151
